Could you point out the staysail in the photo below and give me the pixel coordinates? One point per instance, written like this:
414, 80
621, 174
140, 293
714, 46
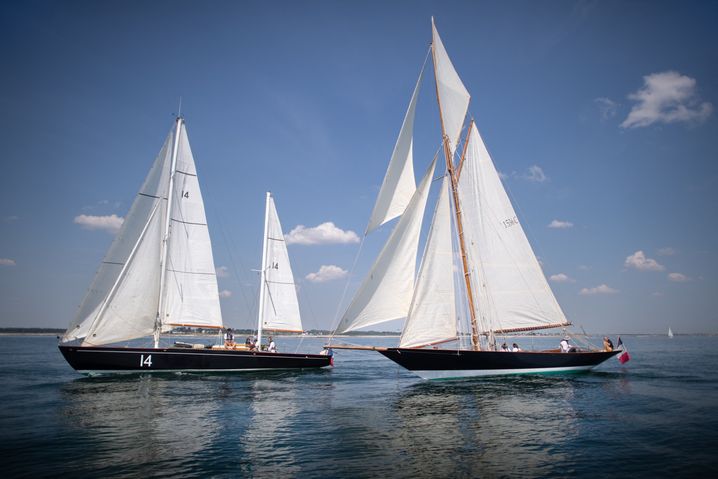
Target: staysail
432, 316
387, 290
513, 294
280, 311
453, 96
124, 297
398, 186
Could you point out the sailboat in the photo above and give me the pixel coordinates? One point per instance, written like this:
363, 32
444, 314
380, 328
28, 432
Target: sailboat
502, 284
159, 274
670, 333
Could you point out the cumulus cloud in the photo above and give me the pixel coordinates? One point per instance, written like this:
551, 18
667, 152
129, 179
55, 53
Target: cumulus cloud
326, 273
535, 173
558, 224
561, 278
600, 289
666, 252
225, 293
110, 223
7, 262
221, 271
325, 233
678, 278
639, 261
666, 97
606, 107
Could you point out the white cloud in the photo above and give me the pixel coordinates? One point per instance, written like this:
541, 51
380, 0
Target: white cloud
583, 267
666, 97
109, 223
7, 262
221, 271
558, 224
600, 289
326, 273
639, 261
325, 233
606, 107
10, 219
666, 251
535, 174
225, 293
561, 278
678, 278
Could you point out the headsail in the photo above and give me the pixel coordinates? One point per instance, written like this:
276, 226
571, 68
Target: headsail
453, 96
398, 185
192, 297
513, 294
432, 316
387, 290
281, 308
124, 297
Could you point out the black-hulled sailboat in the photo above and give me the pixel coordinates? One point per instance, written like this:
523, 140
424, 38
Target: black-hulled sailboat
502, 285
159, 274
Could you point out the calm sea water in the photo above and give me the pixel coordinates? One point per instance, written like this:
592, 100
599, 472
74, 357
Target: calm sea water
656, 416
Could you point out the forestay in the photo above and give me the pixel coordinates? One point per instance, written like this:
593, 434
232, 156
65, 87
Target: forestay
512, 292
387, 290
281, 308
432, 316
453, 96
398, 186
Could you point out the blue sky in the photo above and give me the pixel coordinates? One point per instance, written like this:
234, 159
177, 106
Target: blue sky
601, 116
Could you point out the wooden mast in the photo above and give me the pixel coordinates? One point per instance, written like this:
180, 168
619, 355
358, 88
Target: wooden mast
475, 344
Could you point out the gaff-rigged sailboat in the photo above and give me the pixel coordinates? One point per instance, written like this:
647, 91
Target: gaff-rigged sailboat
158, 275
503, 288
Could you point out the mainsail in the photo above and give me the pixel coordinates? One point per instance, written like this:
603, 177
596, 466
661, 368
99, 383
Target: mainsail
398, 186
280, 311
512, 292
432, 316
387, 290
124, 297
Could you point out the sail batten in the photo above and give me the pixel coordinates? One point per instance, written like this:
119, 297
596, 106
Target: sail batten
386, 292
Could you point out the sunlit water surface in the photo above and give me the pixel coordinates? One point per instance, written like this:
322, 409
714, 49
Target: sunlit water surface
366, 417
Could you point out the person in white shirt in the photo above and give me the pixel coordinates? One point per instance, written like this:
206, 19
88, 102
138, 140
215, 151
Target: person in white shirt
272, 348
515, 348
565, 346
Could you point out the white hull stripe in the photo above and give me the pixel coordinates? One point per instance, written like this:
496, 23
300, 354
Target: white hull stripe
470, 373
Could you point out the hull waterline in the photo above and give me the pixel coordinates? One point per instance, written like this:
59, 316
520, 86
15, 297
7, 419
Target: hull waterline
457, 364
106, 360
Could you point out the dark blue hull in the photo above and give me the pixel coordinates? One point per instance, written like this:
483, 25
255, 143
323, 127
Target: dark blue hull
88, 359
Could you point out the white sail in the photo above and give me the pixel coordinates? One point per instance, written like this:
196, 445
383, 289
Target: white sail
111, 310
281, 308
512, 293
453, 96
387, 290
432, 316
192, 298
670, 333
398, 186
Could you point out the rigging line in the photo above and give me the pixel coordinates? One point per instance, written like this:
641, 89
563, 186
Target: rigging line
335, 322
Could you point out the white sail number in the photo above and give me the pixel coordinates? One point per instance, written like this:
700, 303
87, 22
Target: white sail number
145, 361
508, 223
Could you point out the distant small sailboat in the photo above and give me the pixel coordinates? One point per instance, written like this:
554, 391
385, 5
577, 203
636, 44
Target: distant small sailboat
502, 286
670, 333
159, 274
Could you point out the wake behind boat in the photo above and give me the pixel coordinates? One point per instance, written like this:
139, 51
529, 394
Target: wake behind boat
159, 275
502, 284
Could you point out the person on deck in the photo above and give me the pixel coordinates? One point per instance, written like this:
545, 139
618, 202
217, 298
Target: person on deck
607, 344
515, 348
228, 338
248, 343
566, 347
272, 348
504, 348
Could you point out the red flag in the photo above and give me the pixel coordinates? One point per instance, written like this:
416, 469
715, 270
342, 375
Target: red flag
624, 357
